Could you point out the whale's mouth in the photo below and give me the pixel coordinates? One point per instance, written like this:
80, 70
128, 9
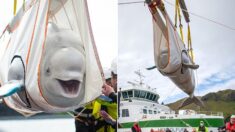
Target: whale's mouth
70, 87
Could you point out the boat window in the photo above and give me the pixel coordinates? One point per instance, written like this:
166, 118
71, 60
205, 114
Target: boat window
157, 97
125, 113
130, 93
155, 112
148, 95
137, 93
150, 112
124, 95
154, 97
142, 94
144, 111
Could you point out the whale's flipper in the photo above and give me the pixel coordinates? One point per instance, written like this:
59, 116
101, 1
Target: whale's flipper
151, 68
187, 61
10, 88
191, 66
190, 100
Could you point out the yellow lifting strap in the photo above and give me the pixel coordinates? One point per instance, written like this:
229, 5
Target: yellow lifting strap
190, 48
178, 15
176, 10
24, 5
181, 32
15, 6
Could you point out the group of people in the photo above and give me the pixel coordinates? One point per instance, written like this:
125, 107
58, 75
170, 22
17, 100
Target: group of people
230, 127
101, 114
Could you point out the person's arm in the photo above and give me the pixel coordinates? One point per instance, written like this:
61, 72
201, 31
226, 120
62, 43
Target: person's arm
109, 91
108, 119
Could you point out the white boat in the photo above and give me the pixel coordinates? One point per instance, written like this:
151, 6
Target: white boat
139, 103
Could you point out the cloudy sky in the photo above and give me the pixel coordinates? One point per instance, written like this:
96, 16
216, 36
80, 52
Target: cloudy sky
213, 45
103, 15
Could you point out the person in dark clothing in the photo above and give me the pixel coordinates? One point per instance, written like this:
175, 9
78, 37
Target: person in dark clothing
110, 91
85, 122
222, 129
136, 127
119, 97
168, 130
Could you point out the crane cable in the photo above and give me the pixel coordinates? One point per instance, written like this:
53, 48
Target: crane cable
205, 18
127, 3
194, 14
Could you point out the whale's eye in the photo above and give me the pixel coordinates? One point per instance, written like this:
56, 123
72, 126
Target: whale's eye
48, 71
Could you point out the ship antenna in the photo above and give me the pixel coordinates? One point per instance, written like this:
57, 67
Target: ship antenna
141, 76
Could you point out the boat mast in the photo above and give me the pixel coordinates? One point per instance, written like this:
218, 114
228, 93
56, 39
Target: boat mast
141, 76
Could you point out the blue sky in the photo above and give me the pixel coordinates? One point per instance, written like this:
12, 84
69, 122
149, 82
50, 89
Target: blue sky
217, 81
213, 47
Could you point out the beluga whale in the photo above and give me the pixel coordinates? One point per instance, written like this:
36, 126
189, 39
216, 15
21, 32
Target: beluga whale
171, 57
49, 65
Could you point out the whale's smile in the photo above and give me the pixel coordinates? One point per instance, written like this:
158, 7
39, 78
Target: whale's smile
70, 87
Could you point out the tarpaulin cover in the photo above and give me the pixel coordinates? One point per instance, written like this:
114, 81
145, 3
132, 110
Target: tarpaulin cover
170, 53
27, 36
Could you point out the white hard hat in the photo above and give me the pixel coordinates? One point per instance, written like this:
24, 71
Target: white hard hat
136, 120
114, 66
232, 116
107, 73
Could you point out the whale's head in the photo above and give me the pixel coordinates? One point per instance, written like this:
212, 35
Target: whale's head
62, 71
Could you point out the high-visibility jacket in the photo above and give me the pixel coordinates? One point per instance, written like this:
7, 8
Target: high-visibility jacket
111, 110
205, 129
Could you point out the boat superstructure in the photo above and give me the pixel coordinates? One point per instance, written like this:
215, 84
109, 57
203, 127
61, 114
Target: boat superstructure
139, 103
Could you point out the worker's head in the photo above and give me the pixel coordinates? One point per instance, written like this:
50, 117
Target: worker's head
136, 122
114, 74
201, 123
232, 119
107, 75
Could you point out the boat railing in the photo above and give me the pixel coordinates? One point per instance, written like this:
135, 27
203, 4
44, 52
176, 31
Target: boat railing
212, 113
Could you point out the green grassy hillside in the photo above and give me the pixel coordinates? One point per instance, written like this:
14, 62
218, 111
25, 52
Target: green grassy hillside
221, 101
